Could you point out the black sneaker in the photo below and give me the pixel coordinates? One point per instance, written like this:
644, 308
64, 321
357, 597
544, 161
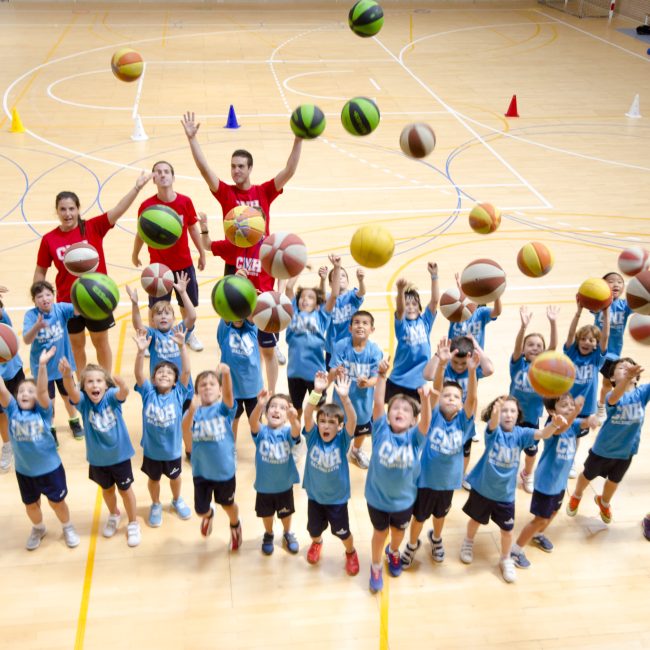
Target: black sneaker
77, 429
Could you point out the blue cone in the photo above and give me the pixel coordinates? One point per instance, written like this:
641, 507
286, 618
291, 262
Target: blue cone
231, 122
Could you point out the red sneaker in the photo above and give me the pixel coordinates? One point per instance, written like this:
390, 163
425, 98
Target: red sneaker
235, 536
572, 506
605, 512
352, 563
313, 554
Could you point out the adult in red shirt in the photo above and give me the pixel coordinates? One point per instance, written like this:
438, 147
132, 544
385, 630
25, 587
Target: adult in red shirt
72, 230
177, 257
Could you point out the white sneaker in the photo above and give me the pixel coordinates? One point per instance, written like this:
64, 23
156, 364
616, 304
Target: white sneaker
133, 535
70, 535
507, 565
6, 457
527, 481
573, 472
466, 485
280, 357
35, 537
602, 413
467, 552
110, 527
194, 343
359, 458
476, 438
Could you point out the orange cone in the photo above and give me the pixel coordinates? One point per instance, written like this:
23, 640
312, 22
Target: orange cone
512, 109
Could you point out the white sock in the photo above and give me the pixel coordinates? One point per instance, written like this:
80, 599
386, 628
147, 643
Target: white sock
376, 567
40, 526
515, 548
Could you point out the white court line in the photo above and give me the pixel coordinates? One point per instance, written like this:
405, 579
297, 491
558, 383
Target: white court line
285, 83
284, 115
56, 98
402, 188
374, 83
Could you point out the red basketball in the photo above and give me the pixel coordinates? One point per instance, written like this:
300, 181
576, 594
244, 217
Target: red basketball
8, 343
594, 294
273, 311
157, 280
638, 293
283, 255
81, 258
455, 306
639, 326
633, 260
483, 280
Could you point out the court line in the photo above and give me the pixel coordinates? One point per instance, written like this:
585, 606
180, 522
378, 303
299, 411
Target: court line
384, 603
285, 83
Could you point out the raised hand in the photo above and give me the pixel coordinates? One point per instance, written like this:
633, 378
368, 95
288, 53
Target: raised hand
292, 414
525, 316
142, 340
132, 293
432, 267
190, 125
182, 280
320, 382
474, 360
142, 180
552, 312
444, 350
335, 260
263, 398
342, 386
46, 355
401, 284
384, 365
361, 274
120, 383
322, 272
65, 368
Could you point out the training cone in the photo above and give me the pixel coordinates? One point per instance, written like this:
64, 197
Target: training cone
139, 133
231, 122
16, 123
512, 109
635, 111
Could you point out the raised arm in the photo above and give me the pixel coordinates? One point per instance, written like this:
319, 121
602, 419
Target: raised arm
322, 274
289, 288
321, 383
342, 388
361, 281
188, 421
336, 282
142, 342
5, 395
524, 318
556, 424
191, 128
495, 416
68, 381
227, 393
42, 395
432, 267
472, 385
487, 367
125, 202
631, 374
178, 334
425, 410
30, 334
552, 312
294, 422
254, 420
182, 280
400, 303
571, 334
136, 318
604, 335
122, 388
496, 308
378, 408
292, 164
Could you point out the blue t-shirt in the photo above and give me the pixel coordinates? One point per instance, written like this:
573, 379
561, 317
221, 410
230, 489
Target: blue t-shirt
347, 303
275, 469
530, 402
413, 349
619, 312
9, 369
107, 439
495, 474
620, 435
162, 417
461, 378
327, 473
391, 484
364, 363
164, 348
55, 332
306, 341
586, 383
213, 442
33, 445
474, 325
442, 451
555, 463
241, 352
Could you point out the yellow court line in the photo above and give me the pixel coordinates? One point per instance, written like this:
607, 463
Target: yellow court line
164, 29
383, 616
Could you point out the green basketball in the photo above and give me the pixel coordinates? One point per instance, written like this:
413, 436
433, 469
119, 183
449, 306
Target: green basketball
95, 296
366, 18
159, 226
307, 121
234, 297
360, 116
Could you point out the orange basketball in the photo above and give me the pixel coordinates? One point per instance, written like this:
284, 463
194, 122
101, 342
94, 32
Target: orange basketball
551, 374
534, 259
594, 294
127, 64
484, 218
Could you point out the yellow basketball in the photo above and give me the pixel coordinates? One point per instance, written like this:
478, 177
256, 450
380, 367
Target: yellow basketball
594, 294
127, 64
551, 374
484, 218
372, 246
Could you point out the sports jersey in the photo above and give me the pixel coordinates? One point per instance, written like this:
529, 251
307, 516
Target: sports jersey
213, 442
474, 325
530, 402
241, 352
619, 312
164, 348
461, 378
555, 463
586, 382
306, 341
347, 303
327, 473
9, 369
275, 469
247, 259
413, 349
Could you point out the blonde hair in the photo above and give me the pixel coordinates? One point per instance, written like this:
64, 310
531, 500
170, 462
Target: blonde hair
161, 306
585, 330
93, 367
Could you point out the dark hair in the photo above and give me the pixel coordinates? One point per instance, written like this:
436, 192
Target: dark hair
550, 402
242, 153
614, 273
163, 162
38, 287
407, 398
329, 275
166, 364
412, 292
28, 380
463, 344
487, 411
320, 298
615, 363
453, 384
331, 411
283, 396
66, 195
207, 373
363, 312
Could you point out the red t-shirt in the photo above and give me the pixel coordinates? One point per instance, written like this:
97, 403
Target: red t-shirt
178, 256
55, 243
245, 258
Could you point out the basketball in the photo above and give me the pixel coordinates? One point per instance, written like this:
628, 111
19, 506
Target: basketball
157, 280
273, 311
551, 374
483, 280
417, 140
360, 116
159, 226
8, 343
244, 226
372, 246
127, 64
283, 255
633, 260
307, 121
81, 258
456, 306
534, 259
594, 294
234, 297
95, 296
484, 218
639, 327
638, 293
366, 18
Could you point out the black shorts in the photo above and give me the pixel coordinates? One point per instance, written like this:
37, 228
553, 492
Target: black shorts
12, 384
154, 469
363, 429
482, 509
613, 469
393, 389
78, 324
381, 520
192, 290
544, 505
266, 339
467, 447
328, 358
249, 403
59, 384
51, 485
606, 368
532, 450
120, 474
267, 504
297, 390
319, 515
432, 503
205, 490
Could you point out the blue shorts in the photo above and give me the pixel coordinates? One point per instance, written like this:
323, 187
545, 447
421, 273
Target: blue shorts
544, 505
432, 503
205, 489
532, 450
268, 503
482, 509
106, 476
192, 289
266, 339
51, 485
319, 515
154, 469
382, 520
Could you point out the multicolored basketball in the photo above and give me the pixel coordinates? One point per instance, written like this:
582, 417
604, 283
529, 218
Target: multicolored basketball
551, 374
372, 246
366, 18
157, 280
484, 218
8, 343
455, 306
244, 226
127, 64
417, 140
638, 293
307, 121
273, 311
360, 116
95, 296
483, 280
283, 255
594, 294
633, 260
81, 258
639, 327
159, 226
234, 297
534, 259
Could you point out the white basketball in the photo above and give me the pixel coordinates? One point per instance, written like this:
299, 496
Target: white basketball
273, 311
81, 258
455, 306
157, 280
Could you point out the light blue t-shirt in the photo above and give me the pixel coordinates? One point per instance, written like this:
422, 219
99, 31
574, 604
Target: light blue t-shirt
586, 383
306, 342
461, 378
327, 473
213, 442
275, 469
9, 369
474, 325
555, 463
530, 402
164, 348
241, 352
619, 312
347, 303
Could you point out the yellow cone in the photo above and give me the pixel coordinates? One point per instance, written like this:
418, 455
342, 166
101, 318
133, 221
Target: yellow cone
16, 123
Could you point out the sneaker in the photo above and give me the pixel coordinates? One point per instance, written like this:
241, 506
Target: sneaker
508, 569
194, 343
235, 537
645, 524
181, 508
53, 432
6, 457
359, 458
573, 472
572, 506
282, 360
290, 542
437, 549
110, 527
206, 523
408, 554
394, 561
520, 560
542, 542
602, 413
133, 535
35, 537
605, 512
77, 429
376, 580
155, 515
313, 554
70, 535
267, 544
466, 485
467, 552
476, 438
352, 563
527, 481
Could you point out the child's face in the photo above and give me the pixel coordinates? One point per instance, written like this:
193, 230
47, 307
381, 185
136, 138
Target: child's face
308, 300
44, 300
238, 324
459, 364
411, 308
95, 385
208, 390
328, 427
361, 328
26, 396
450, 401
532, 347
587, 344
509, 414
344, 282
163, 320
620, 371
400, 416
616, 284
565, 406
276, 412
164, 379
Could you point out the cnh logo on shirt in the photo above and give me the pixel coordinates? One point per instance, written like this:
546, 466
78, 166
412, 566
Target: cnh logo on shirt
60, 251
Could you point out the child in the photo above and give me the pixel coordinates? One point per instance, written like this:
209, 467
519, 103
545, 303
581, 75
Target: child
162, 411
493, 479
552, 475
618, 439
207, 429
527, 347
358, 358
327, 475
38, 466
44, 326
275, 469
412, 331
108, 446
391, 484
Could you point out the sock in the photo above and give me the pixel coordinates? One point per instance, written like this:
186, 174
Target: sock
515, 548
74, 420
413, 547
575, 496
67, 525
40, 527
604, 503
317, 541
468, 541
352, 552
376, 567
